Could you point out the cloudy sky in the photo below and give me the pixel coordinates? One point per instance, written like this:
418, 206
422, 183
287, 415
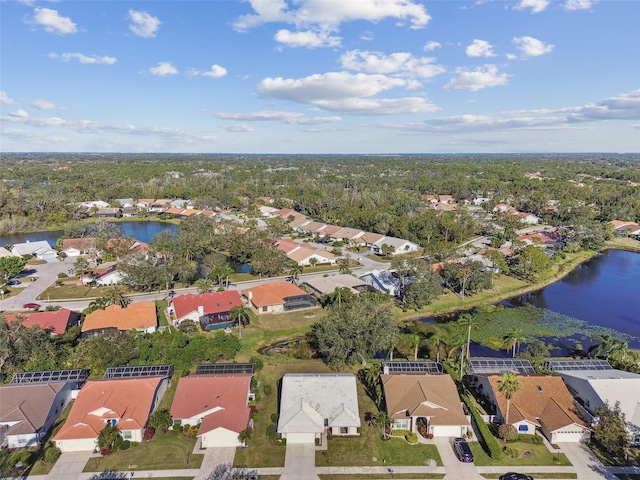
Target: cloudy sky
320, 76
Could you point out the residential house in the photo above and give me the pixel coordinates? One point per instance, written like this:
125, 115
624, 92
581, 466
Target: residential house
328, 230
266, 211
139, 316
4, 253
528, 218
211, 310
313, 405
105, 274
278, 297
305, 254
311, 227
449, 199
625, 228
29, 410
174, 211
180, 203
159, 205
74, 247
107, 212
543, 402
397, 246
145, 203
217, 403
41, 250
57, 321
347, 234
369, 238
430, 397
544, 238
593, 389
125, 403
382, 280
188, 213
128, 212
124, 202
325, 285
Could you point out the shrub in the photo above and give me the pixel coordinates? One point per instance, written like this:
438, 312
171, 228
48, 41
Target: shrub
106, 451
272, 432
125, 445
489, 442
63, 275
530, 439
507, 432
257, 361
411, 437
177, 428
274, 417
267, 389
148, 434
511, 452
51, 454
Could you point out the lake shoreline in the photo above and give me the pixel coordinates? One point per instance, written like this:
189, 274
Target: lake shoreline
564, 269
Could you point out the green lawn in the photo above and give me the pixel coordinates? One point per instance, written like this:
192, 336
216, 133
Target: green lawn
164, 452
612, 460
541, 456
72, 291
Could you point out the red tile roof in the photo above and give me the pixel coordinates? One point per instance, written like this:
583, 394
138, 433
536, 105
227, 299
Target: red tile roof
212, 303
57, 320
137, 316
228, 394
128, 400
272, 293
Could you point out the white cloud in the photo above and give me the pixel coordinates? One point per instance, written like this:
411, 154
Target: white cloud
20, 113
331, 13
577, 4
481, 77
367, 36
36, 122
291, 118
43, 105
143, 24
431, 46
238, 127
216, 71
307, 39
52, 22
480, 48
5, 100
532, 47
163, 68
84, 59
623, 107
536, 6
383, 106
400, 63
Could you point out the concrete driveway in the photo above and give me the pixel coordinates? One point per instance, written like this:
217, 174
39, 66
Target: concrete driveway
585, 462
69, 466
300, 462
46, 274
456, 470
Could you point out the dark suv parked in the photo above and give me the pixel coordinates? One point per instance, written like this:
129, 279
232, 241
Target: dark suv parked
462, 449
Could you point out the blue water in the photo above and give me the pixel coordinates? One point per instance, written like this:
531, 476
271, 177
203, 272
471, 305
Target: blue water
143, 231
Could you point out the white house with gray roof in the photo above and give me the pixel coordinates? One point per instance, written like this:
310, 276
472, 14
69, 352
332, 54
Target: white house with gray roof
40, 249
398, 245
312, 404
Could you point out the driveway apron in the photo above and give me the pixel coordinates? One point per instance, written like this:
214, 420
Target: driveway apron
69, 466
456, 470
300, 462
587, 465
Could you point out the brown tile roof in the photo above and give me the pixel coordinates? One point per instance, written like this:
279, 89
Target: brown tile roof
27, 405
330, 230
82, 244
272, 293
371, 238
57, 320
136, 316
304, 253
541, 398
127, 400
432, 396
174, 210
347, 233
199, 394
190, 211
311, 226
212, 303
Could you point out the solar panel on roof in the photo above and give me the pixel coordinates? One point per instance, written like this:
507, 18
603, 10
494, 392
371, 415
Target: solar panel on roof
74, 375
411, 368
225, 369
576, 365
139, 371
489, 366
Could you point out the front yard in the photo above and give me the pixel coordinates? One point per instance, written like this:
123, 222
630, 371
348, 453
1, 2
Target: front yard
539, 456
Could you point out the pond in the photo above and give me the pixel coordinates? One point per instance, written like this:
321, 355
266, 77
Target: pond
143, 231
600, 295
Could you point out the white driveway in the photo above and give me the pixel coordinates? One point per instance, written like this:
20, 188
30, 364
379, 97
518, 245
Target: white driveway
456, 470
300, 462
47, 273
585, 462
69, 466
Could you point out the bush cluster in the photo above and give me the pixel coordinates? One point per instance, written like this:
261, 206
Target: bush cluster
489, 442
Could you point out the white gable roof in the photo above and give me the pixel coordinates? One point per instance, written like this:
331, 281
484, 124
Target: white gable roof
30, 248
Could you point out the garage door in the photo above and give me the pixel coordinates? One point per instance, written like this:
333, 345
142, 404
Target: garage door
560, 437
295, 438
447, 431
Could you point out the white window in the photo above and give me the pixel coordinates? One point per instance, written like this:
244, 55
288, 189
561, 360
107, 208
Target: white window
127, 435
344, 430
401, 424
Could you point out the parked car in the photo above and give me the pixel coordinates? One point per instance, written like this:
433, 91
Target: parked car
31, 306
462, 450
515, 476
13, 283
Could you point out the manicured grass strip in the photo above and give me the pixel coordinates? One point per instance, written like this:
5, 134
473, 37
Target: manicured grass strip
164, 452
541, 456
537, 475
609, 460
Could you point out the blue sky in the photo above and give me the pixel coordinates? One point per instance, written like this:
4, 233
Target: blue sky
320, 76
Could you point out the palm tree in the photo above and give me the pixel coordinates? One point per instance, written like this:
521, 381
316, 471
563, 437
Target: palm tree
508, 385
415, 338
116, 296
220, 272
313, 261
385, 422
512, 341
295, 270
469, 322
97, 304
344, 266
204, 285
436, 341
241, 315
604, 347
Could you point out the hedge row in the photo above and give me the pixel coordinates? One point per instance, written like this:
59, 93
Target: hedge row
489, 441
